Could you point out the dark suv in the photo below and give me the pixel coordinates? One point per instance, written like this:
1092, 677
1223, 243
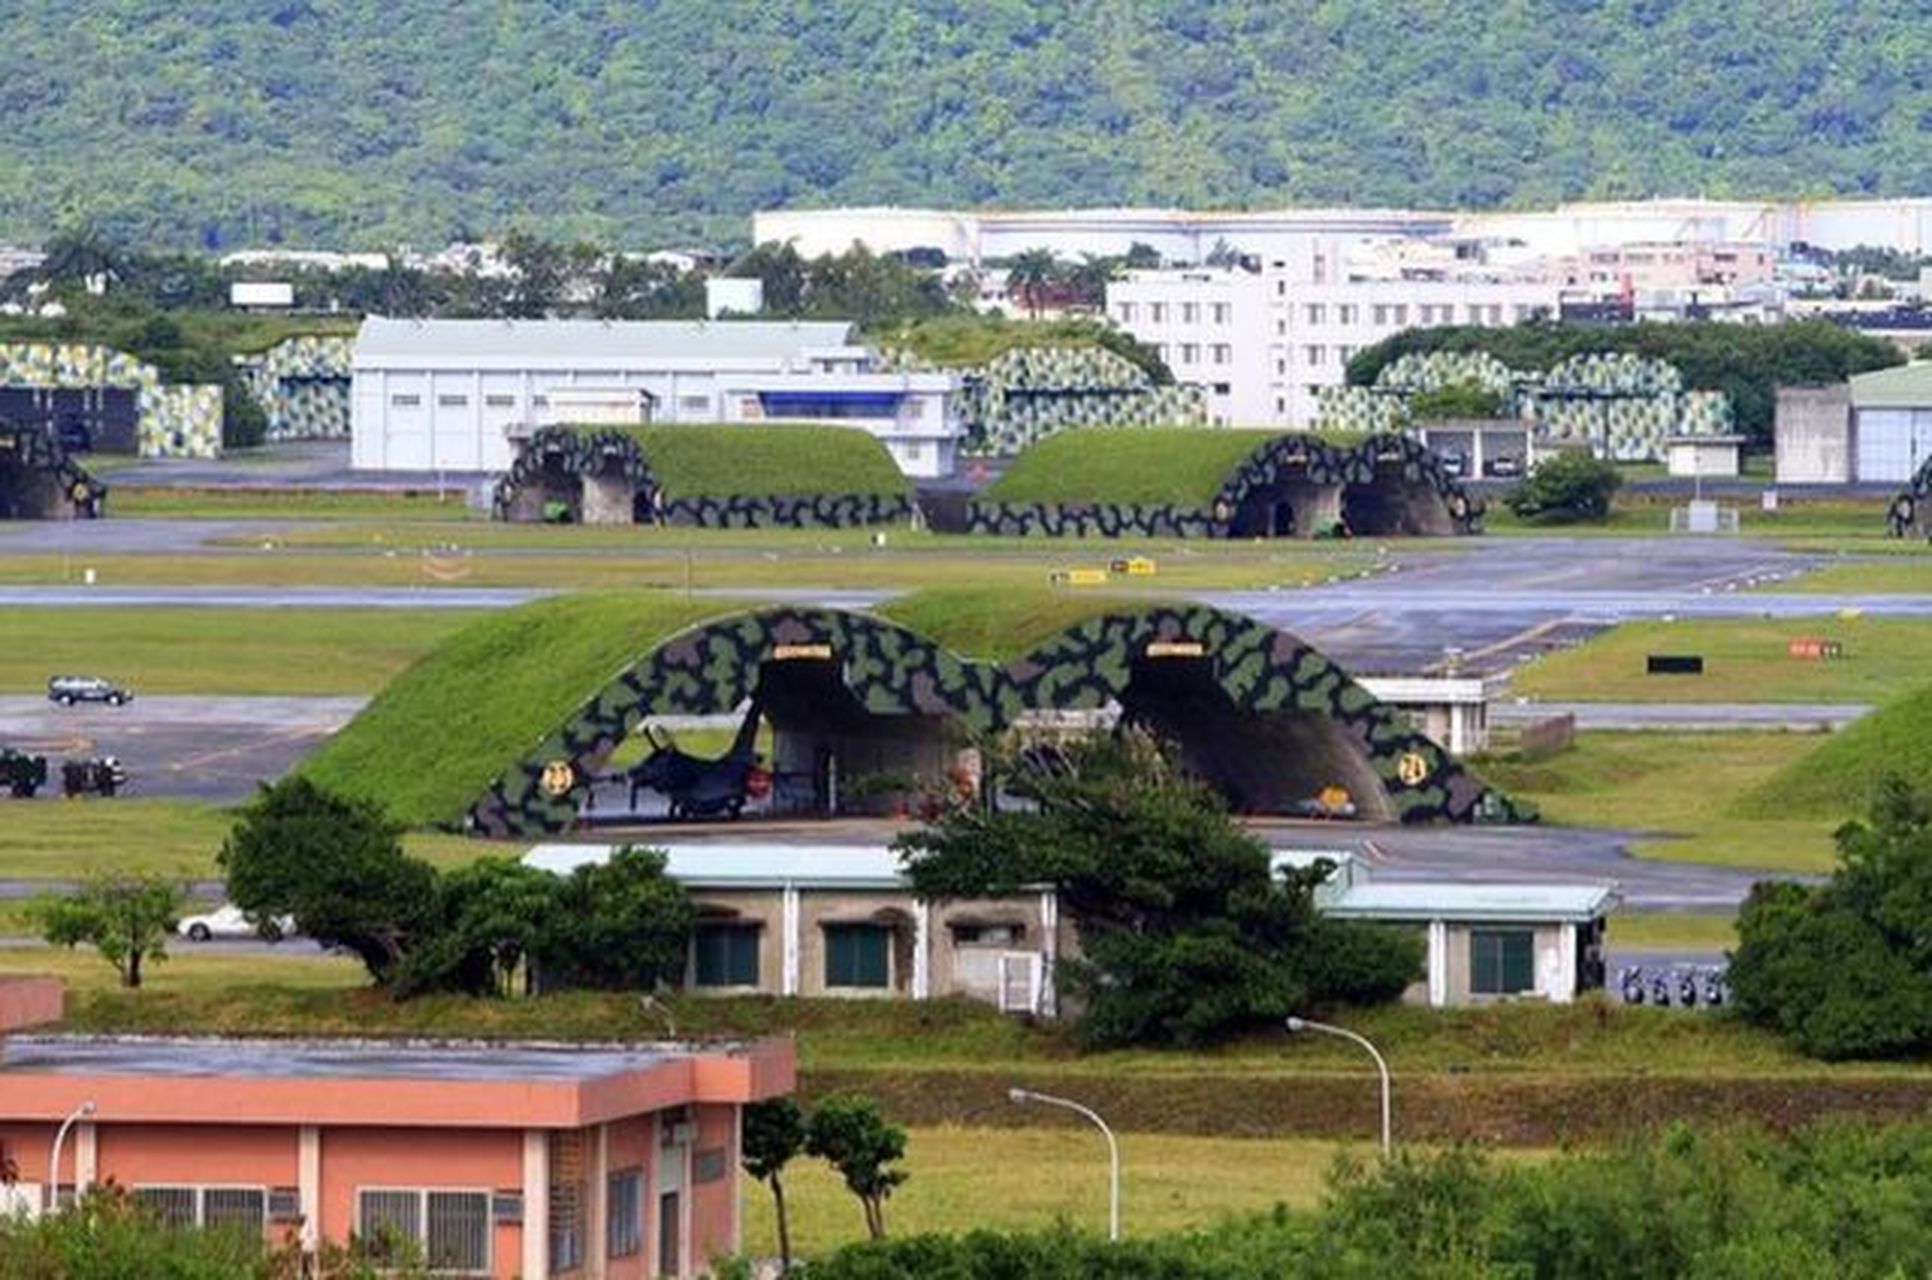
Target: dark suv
67, 690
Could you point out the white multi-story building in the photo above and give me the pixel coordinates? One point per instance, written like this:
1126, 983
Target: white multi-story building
1265, 343
452, 395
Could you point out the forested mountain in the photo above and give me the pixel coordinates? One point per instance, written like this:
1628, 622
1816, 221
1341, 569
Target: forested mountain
219, 123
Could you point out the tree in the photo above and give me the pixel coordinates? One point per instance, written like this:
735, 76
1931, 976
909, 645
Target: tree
1186, 934
622, 925
491, 918
335, 863
1030, 276
774, 1133
1570, 487
849, 1132
1844, 970
128, 919
1456, 400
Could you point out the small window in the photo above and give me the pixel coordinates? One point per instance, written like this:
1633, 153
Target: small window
240, 1209
449, 400
624, 1196
725, 955
696, 404
541, 402
1157, 312
458, 1231
857, 955
171, 1206
1190, 312
500, 402
1317, 312
1126, 313
1222, 388
1222, 353
988, 935
1220, 313
1190, 353
1501, 961
405, 400
567, 1209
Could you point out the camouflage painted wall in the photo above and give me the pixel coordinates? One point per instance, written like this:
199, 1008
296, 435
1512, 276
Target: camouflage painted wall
710, 670
1029, 393
303, 386
1621, 404
561, 450
1386, 458
175, 420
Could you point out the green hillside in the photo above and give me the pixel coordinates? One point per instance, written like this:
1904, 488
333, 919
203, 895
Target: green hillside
757, 461
1839, 778
355, 123
442, 730
1183, 466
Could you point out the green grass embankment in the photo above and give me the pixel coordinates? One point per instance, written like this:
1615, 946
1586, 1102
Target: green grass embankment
756, 461
1131, 467
433, 739
1838, 778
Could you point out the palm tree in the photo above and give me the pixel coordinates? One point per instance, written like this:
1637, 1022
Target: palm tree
1029, 275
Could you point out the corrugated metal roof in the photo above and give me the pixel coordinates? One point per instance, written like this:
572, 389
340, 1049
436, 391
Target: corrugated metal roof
1908, 386
613, 342
1473, 902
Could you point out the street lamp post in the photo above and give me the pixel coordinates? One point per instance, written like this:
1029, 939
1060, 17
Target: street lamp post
1023, 1096
53, 1158
1303, 1024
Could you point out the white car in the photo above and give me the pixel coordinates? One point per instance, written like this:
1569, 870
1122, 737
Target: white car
230, 921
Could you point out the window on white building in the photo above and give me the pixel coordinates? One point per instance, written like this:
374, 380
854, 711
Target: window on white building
1474, 313
499, 402
1281, 328
1190, 313
1190, 353
1281, 288
1401, 313
1220, 312
1379, 315
1281, 405
1126, 313
405, 400
696, 404
1157, 312
1312, 355
1222, 388
1345, 313
449, 400
1281, 367
1221, 353
1315, 312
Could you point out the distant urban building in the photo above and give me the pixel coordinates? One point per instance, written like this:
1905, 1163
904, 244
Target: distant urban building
452, 395
1265, 344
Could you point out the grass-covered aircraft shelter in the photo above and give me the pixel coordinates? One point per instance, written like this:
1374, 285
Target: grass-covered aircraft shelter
39, 480
1189, 483
737, 477
533, 711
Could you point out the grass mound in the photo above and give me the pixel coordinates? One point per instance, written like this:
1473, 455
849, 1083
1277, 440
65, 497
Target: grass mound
441, 731
1171, 465
996, 625
758, 461
1838, 779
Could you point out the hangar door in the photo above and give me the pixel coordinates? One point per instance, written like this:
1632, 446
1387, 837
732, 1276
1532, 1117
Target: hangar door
84, 419
1893, 443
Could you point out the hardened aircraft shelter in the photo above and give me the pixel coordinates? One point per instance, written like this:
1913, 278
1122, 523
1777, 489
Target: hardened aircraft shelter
39, 481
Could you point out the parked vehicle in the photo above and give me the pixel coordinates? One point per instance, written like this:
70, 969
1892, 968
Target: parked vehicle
93, 776
1455, 464
21, 775
67, 690
230, 921
1504, 468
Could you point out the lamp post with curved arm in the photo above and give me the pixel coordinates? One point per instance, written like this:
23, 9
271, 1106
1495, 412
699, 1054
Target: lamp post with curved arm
1023, 1096
1303, 1024
74, 1117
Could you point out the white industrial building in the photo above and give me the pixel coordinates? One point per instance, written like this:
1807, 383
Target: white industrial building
1874, 428
455, 395
1266, 343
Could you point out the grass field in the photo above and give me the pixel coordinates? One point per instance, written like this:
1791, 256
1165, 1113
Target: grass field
1745, 660
1154, 466
1900, 574
169, 502
1685, 791
1841, 775
52, 839
1673, 931
220, 651
1852, 526
750, 460
833, 568
1030, 1179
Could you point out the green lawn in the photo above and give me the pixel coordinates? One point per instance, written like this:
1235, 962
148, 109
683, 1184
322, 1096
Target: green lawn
1029, 1179
1809, 526
1672, 931
1745, 660
754, 461
54, 839
220, 651
1146, 467
169, 502
1685, 791
1841, 775
1900, 574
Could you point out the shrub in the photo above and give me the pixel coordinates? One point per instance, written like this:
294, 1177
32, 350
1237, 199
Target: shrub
1570, 487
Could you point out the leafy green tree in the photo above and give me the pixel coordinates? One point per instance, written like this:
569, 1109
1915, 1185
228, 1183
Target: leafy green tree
1031, 277
1845, 970
1457, 400
491, 918
1186, 935
623, 925
336, 864
849, 1132
773, 1135
128, 919
1568, 487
